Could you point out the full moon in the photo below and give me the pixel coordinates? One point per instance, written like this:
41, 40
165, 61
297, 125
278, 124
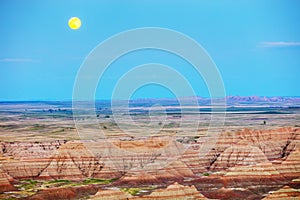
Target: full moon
74, 23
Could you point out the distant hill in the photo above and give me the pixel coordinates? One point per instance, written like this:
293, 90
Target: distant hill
261, 99
230, 100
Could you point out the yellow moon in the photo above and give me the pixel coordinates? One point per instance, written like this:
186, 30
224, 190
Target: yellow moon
74, 23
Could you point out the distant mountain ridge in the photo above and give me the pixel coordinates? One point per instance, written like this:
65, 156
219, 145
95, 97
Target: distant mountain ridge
262, 99
228, 99
203, 100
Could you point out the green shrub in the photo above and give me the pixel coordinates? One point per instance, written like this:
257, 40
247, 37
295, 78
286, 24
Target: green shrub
97, 181
206, 174
59, 181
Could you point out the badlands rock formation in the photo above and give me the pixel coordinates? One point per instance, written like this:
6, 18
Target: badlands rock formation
111, 194
240, 154
5, 184
27, 160
284, 193
246, 164
174, 191
64, 193
73, 161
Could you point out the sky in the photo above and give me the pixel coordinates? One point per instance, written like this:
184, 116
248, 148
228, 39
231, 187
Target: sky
255, 45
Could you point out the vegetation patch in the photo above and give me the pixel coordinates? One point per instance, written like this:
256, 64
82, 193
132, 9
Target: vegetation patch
37, 127
30, 187
59, 181
97, 181
137, 191
29, 184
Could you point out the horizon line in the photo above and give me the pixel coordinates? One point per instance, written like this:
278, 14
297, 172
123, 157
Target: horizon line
134, 99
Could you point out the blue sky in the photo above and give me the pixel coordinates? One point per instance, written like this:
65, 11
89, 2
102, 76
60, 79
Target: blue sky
255, 44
